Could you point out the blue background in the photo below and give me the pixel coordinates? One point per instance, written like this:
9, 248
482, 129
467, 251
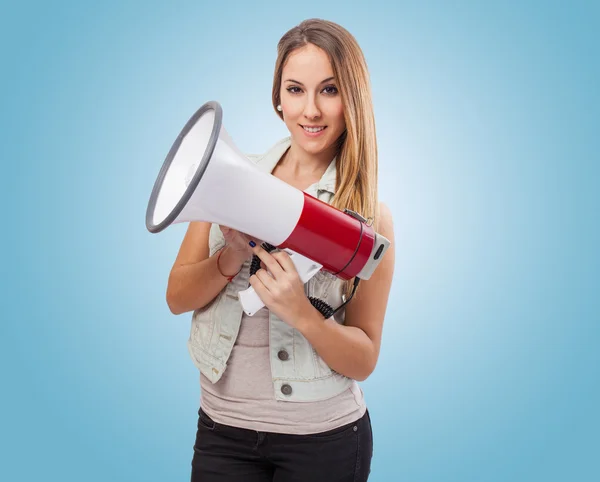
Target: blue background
488, 127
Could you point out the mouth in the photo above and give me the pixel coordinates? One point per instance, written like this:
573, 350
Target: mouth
313, 129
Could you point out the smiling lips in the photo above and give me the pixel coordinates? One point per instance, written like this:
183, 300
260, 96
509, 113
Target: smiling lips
313, 131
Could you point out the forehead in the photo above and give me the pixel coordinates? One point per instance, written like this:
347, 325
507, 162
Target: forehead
309, 63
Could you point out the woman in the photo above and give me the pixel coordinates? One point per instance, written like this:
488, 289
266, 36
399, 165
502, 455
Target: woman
279, 393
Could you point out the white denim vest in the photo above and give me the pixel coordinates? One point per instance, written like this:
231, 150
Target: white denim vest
301, 372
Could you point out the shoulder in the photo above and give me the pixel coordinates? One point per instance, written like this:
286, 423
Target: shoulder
385, 227
386, 221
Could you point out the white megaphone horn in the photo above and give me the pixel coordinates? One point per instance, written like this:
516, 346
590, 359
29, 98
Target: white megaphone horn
205, 177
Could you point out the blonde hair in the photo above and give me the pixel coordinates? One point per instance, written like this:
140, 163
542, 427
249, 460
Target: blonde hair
356, 163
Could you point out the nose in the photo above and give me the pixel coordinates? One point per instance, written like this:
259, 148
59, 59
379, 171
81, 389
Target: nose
311, 109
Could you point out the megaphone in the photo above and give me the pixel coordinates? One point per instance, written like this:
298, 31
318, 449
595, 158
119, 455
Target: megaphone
205, 177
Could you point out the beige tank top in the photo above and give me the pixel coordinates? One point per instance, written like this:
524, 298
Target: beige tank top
244, 397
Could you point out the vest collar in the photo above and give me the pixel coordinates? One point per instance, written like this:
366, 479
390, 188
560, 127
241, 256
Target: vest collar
270, 159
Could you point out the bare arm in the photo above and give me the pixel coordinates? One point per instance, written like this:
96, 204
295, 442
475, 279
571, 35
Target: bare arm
352, 349
195, 280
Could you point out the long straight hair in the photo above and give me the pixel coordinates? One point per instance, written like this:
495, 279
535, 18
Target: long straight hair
356, 163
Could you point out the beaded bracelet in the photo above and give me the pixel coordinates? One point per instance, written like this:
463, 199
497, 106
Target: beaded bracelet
229, 278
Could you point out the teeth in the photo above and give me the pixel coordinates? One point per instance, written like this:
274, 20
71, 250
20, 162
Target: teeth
313, 129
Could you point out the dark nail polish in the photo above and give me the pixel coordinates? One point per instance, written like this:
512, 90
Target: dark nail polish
252, 243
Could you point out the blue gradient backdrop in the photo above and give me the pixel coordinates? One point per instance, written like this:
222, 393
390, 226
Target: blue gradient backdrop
488, 128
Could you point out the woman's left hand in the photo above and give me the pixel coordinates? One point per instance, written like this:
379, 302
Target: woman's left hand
282, 291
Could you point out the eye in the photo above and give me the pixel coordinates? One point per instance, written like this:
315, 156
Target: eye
330, 90
294, 89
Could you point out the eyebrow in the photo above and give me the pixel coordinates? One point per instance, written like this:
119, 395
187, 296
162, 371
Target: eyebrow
300, 83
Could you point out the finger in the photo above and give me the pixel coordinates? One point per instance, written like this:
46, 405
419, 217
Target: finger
260, 289
249, 238
267, 280
285, 261
270, 262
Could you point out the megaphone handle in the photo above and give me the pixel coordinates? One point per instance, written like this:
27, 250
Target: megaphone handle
250, 301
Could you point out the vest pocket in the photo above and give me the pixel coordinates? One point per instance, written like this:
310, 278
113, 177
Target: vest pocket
322, 370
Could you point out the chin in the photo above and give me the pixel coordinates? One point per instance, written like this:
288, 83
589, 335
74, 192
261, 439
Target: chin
312, 149
315, 146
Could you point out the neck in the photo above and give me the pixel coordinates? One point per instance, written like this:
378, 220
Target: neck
301, 163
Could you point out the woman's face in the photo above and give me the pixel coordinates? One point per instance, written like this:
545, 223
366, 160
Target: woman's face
311, 103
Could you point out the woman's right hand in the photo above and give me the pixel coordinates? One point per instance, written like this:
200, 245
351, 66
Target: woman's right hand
238, 242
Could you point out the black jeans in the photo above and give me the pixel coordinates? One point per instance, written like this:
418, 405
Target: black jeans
229, 454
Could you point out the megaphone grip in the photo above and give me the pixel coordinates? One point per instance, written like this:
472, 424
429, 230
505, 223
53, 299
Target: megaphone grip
324, 308
255, 264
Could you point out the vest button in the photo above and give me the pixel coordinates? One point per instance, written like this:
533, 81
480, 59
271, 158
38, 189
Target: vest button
286, 389
283, 355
